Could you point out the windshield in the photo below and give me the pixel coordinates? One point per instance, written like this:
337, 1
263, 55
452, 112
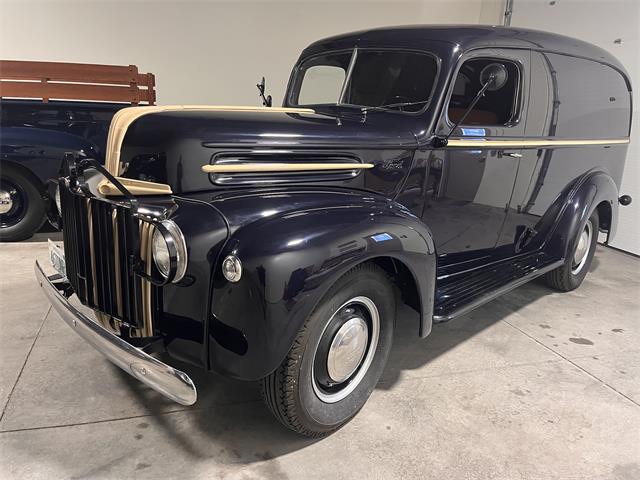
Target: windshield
366, 78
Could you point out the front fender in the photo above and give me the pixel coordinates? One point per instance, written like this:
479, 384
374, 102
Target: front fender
291, 260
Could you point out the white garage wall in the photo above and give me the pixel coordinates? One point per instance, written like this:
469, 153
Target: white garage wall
602, 23
207, 52
215, 51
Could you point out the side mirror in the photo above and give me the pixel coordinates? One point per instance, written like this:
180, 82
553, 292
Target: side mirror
266, 101
495, 74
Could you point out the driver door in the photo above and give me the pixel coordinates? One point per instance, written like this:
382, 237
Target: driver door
470, 181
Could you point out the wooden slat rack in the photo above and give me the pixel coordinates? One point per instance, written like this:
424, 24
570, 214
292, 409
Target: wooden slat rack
76, 81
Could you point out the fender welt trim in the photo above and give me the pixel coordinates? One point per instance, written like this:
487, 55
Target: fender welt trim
283, 167
537, 143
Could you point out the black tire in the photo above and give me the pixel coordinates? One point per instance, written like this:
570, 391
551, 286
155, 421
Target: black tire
27, 212
293, 391
570, 275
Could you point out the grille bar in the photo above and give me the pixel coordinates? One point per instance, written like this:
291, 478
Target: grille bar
100, 239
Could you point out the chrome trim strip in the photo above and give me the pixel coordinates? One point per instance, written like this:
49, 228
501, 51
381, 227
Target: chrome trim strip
92, 252
145, 255
116, 260
538, 143
146, 284
283, 167
168, 381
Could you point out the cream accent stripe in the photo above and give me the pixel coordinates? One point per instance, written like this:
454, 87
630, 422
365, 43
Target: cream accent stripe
537, 143
283, 167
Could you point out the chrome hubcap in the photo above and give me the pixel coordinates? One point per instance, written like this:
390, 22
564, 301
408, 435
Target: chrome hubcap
6, 202
347, 349
580, 255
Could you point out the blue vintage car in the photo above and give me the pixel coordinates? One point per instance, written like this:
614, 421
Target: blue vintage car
34, 136
436, 167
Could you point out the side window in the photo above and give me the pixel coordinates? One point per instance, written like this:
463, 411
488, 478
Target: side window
321, 78
322, 84
496, 107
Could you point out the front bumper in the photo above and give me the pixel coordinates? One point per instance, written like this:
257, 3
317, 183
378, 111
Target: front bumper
163, 378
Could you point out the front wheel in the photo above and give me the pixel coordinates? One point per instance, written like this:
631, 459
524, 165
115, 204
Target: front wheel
337, 357
570, 275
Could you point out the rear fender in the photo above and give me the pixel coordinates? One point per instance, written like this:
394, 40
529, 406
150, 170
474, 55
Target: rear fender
290, 261
578, 204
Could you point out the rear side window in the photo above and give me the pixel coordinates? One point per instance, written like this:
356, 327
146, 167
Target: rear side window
496, 107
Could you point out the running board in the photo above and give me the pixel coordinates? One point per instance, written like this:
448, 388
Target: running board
455, 298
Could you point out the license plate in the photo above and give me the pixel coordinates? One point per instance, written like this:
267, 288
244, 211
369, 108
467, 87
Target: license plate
56, 254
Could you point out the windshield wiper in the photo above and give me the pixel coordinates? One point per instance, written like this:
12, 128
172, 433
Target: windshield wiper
389, 106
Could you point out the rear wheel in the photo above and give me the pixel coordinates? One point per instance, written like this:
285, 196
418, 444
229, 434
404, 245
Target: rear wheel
570, 275
22, 211
337, 357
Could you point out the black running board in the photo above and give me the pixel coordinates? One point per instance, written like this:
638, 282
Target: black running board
456, 298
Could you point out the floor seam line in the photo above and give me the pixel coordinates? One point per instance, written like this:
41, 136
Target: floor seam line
568, 360
132, 417
603, 355
24, 364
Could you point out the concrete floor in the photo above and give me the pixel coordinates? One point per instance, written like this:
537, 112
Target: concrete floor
535, 385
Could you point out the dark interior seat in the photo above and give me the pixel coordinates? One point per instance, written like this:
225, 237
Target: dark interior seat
475, 117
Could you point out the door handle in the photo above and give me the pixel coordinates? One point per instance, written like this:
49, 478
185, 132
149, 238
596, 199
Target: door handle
512, 155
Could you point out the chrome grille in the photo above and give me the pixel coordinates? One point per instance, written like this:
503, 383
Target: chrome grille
102, 239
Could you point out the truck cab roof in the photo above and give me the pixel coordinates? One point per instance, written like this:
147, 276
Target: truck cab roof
452, 41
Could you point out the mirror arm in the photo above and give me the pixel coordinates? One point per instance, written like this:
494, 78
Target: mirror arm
438, 141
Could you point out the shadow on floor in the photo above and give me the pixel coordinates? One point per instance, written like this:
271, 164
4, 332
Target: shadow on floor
241, 429
231, 423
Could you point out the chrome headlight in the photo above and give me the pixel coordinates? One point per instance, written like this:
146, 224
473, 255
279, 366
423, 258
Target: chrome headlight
169, 251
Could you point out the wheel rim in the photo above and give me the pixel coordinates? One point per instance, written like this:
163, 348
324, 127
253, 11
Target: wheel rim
13, 203
581, 253
346, 349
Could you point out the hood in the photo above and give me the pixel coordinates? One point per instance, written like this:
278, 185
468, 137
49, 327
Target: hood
172, 146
